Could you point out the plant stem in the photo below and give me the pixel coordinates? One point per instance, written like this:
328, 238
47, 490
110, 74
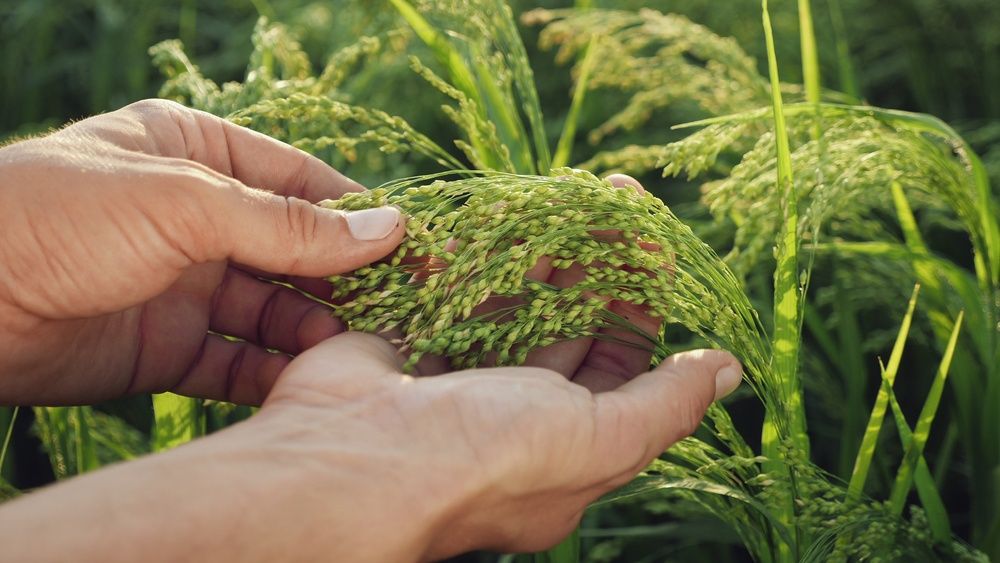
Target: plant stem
565, 147
848, 76
6, 439
789, 425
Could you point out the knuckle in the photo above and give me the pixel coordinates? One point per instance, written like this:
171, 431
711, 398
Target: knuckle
154, 107
267, 323
300, 226
184, 211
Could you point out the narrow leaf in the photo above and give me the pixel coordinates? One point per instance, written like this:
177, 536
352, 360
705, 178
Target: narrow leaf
810, 61
6, 439
787, 325
565, 147
904, 477
930, 498
862, 464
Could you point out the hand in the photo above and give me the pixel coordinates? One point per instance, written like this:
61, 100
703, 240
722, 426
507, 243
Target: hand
125, 237
499, 458
349, 460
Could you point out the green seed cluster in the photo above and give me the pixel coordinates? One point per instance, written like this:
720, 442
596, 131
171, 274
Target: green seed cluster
740, 489
656, 59
473, 241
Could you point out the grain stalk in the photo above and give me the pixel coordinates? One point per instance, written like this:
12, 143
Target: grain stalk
786, 305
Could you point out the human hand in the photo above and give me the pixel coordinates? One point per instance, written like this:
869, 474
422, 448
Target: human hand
499, 458
350, 460
125, 237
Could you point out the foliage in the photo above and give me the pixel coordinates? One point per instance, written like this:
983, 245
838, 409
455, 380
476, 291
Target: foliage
860, 202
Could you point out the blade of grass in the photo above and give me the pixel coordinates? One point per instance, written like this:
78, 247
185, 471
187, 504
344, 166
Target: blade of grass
6, 439
86, 452
460, 74
565, 147
869, 441
509, 125
524, 83
787, 310
177, 420
7, 491
810, 61
848, 77
52, 430
930, 498
786, 291
904, 477
850, 362
957, 279
65, 435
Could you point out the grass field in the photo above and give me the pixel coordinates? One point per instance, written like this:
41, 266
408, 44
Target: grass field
825, 174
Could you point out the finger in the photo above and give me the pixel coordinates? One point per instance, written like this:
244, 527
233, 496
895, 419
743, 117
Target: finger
238, 372
643, 417
317, 287
618, 354
563, 357
248, 156
344, 368
540, 271
623, 180
216, 218
269, 315
570, 357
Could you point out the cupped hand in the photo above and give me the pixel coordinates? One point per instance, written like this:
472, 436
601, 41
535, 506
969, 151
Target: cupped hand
126, 237
498, 458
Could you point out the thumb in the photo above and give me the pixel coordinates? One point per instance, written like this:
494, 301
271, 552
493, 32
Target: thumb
288, 235
645, 416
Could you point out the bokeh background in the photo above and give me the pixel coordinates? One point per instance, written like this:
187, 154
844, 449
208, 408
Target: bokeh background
66, 59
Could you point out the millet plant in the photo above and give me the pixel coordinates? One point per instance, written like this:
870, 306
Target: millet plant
817, 198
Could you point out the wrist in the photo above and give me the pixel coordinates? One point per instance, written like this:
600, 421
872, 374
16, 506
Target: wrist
358, 490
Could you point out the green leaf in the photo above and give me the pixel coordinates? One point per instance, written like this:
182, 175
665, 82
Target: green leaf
7, 491
65, 433
86, 451
904, 477
177, 420
459, 73
12, 418
866, 452
787, 323
930, 498
648, 483
565, 147
845, 65
810, 61
790, 423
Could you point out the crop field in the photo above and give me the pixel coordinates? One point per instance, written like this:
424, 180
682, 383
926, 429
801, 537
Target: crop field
821, 182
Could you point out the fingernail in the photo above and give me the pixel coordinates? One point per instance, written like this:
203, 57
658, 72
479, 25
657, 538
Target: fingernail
727, 380
373, 224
